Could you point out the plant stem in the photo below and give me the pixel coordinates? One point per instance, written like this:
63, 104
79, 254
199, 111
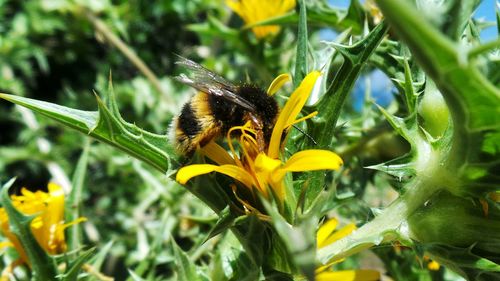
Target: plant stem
433, 174
383, 228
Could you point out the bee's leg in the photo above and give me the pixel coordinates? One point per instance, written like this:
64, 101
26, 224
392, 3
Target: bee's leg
259, 134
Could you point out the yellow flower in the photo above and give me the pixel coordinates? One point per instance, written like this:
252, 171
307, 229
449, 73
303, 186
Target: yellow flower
261, 171
253, 11
325, 236
431, 264
48, 225
374, 11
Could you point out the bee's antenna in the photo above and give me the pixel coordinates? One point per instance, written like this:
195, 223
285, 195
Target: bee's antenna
305, 134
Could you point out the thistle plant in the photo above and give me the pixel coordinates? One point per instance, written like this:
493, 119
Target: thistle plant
303, 208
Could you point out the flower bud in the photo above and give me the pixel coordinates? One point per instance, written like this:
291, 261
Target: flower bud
458, 232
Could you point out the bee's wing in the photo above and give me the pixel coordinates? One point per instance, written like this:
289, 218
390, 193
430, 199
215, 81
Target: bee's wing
202, 74
208, 82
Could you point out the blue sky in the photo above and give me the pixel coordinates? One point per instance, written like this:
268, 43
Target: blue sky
487, 11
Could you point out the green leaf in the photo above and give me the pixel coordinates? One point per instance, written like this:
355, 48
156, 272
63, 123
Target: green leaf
215, 196
473, 101
106, 125
73, 205
464, 261
299, 241
498, 18
232, 263
75, 266
457, 17
98, 260
401, 168
288, 18
331, 103
213, 27
483, 48
244, 268
399, 125
225, 221
354, 17
319, 13
410, 95
252, 234
491, 144
134, 276
42, 265
186, 270
301, 57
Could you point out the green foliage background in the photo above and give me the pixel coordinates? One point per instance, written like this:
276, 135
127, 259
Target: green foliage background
144, 226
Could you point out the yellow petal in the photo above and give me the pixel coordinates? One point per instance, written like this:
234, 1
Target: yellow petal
290, 111
217, 154
325, 230
313, 159
277, 83
341, 233
254, 11
264, 168
288, 4
236, 7
186, 173
51, 218
263, 31
5, 244
349, 275
55, 190
433, 265
263, 163
309, 160
328, 266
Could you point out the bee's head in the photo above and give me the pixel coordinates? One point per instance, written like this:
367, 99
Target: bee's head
266, 107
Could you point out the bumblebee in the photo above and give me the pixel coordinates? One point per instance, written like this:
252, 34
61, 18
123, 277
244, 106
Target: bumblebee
218, 106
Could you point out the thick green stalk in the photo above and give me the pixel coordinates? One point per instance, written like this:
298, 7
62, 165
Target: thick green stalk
468, 94
430, 178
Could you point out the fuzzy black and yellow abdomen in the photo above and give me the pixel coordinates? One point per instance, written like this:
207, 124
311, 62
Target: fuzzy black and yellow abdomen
195, 126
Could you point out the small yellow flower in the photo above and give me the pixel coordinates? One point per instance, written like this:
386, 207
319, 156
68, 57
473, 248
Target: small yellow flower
48, 225
325, 236
431, 264
261, 171
374, 11
253, 11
